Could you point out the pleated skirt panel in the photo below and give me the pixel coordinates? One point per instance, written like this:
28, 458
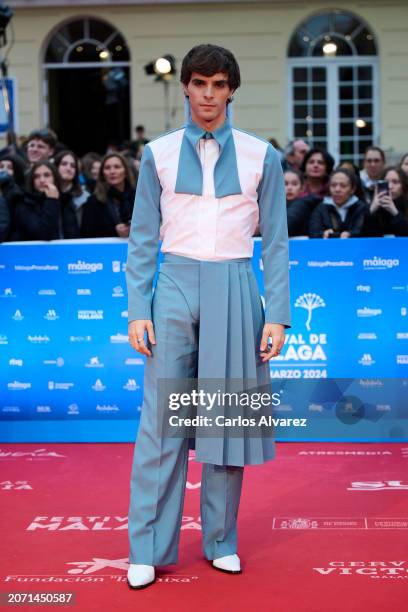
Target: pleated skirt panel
223, 299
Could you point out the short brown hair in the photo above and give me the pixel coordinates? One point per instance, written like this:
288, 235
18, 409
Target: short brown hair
48, 136
209, 59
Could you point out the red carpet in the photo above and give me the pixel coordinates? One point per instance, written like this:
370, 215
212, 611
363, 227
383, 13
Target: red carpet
322, 528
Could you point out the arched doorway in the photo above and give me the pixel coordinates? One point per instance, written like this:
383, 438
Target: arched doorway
333, 84
86, 66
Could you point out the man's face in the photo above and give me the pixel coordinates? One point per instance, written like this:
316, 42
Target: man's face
38, 149
373, 164
208, 96
300, 148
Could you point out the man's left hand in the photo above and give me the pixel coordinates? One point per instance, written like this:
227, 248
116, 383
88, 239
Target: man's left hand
276, 332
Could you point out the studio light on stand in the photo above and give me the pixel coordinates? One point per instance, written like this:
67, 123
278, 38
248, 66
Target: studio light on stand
164, 68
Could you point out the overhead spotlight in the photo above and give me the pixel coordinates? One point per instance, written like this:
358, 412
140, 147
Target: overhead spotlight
104, 55
163, 67
330, 49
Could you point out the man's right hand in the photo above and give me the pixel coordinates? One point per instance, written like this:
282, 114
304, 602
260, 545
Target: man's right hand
137, 331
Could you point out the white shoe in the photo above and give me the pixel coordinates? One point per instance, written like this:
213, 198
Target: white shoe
140, 576
230, 564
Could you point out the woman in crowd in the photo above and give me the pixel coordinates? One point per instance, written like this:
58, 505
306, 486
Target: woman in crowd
90, 164
71, 194
41, 215
298, 208
388, 212
403, 165
342, 214
316, 168
108, 212
359, 192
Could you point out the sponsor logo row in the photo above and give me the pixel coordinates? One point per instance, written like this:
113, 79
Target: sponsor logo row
71, 409
74, 267
52, 385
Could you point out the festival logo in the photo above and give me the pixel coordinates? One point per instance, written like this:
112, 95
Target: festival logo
380, 263
368, 312
84, 267
17, 385
310, 302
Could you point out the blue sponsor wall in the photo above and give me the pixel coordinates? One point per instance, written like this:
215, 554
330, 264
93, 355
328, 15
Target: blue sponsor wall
67, 372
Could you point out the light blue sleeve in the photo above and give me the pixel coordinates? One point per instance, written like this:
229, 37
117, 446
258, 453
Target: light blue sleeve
275, 248
143, 240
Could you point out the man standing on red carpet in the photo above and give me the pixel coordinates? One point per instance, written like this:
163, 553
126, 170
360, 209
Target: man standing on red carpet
203, 190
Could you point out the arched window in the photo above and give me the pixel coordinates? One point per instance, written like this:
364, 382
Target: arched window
86, 40
333, 84
87, 84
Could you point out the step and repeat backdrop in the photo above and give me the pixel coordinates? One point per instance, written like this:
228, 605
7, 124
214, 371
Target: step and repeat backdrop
67, 372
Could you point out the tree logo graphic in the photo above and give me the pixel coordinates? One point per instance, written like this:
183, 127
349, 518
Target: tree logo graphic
309, 301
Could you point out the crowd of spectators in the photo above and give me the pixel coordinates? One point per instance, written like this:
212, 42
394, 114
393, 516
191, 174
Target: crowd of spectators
48, 193
324, 201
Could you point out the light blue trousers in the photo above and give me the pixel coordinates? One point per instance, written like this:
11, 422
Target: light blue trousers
158, 480
208, 323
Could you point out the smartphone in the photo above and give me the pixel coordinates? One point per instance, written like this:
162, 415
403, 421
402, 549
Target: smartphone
382, 187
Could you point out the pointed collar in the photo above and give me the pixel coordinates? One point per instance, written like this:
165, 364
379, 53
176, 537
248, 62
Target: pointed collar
190, 172
221, 134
